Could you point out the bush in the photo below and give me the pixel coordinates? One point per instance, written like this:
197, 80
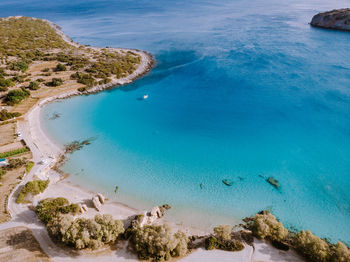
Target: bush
85, 233
85, 79
2, 172
34, 85
16, 96
5, 115
51, 208
18, 66
55, 82
14, 152
340, 253
223, 232
312, 247
158, 243
45, 70
6, 83
222, 239
15, 163
265, 225
29, 166
60, 67
32, 187
227, 245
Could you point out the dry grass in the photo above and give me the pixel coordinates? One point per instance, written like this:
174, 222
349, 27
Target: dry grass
8, 182
25, 105
18, 244
7, 134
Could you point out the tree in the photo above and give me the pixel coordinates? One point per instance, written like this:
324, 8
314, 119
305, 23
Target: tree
16, 96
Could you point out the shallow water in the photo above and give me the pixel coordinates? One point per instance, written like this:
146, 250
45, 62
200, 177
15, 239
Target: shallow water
240, 89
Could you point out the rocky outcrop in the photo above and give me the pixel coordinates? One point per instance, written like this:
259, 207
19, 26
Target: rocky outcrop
335, 19
147, 218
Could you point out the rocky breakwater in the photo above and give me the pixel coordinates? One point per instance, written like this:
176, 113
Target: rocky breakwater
335, 19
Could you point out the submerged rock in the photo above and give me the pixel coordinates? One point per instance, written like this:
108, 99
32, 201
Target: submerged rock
335, 19
227, 182
273, 182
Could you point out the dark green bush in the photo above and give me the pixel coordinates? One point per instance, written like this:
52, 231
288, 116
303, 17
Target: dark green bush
34, 85
158, 242
6, 82
2, 172
50, 208
18, 66
32, 187
55, 82
227, 245
5, 115
85, 233
60, 67
16, 96
15, 163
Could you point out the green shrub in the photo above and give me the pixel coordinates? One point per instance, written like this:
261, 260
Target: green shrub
2, 172
45, 70
85, 79
18, 66
340, 253
55, 82
16, 163
158, 242
5, 115
227, 245
16, 96
312, 247
34, 85
29, 166
82, 89
265, 225
60, 67
32, 187
19, 79
222, 239
50, 208
85, 233
14, 152
6, 83
223, 232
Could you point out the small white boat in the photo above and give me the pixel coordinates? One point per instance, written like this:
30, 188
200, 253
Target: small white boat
145, 96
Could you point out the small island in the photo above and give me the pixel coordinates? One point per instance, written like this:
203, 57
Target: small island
336, 19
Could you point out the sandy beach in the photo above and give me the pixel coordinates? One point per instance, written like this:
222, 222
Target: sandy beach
43, 148
46, 153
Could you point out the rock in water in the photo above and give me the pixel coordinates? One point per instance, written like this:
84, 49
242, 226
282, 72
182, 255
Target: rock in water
227, 182
335, 19
273, 182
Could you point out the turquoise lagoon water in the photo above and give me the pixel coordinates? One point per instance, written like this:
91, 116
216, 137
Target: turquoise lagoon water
240, 89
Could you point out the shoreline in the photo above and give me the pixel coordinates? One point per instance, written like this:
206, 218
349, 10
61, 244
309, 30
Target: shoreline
44, 147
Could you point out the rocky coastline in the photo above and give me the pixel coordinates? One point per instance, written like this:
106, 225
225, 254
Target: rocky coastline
338, 19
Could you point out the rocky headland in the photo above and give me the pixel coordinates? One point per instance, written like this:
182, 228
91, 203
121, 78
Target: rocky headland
336, 19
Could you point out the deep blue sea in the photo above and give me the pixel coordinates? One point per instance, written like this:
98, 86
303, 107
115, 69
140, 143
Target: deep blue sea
241, 90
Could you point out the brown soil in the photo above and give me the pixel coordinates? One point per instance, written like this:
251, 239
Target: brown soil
18, 244
8, 182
